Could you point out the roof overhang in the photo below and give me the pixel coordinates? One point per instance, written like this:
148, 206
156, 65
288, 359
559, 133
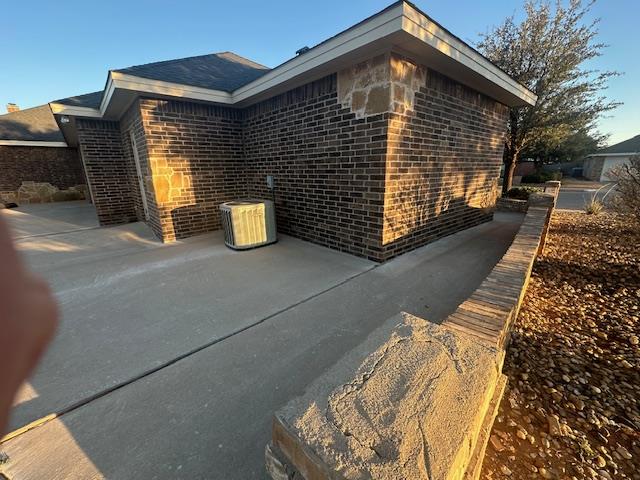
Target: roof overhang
31, 143
401, 28
628, 154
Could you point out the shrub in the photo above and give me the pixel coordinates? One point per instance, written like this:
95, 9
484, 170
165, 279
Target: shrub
66, 195
521, 193
538, 177
593, 207
626, 197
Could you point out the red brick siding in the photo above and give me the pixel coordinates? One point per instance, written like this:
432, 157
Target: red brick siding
107, 170
443, 161
198, 150
60, 167
328, 167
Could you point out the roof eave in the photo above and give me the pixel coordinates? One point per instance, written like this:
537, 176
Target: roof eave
620, 154
399, 27
32, 143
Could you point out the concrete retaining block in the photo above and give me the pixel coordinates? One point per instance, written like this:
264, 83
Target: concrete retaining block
415, 400
505, 204
409, 402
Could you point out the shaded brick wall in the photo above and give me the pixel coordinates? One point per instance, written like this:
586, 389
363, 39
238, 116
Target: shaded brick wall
61, 167
107, 170
195, 158
131, 121
442, 165
328, 167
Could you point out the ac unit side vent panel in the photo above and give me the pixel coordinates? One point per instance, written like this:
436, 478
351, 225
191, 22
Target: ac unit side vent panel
248, 223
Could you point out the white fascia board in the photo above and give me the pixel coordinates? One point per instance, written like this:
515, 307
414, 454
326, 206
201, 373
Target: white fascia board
145, 85
628, 154
435, 36
31, 143
62, 109
369, 31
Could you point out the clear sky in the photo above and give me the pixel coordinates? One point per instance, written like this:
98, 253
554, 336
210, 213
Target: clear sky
55, 49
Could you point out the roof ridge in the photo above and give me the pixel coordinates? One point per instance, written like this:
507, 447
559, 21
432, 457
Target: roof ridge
165, 62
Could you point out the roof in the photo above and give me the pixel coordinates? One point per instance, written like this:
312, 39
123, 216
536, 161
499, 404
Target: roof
631, 145
90, 100
31, 125
229, 79
224, 71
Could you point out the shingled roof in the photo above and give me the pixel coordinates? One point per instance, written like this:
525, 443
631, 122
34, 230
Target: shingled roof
32, 125
224, 71
631, 145
89, 100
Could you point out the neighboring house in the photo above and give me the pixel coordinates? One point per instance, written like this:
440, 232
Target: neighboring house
524, 167
32, 149
598, 165
382, 138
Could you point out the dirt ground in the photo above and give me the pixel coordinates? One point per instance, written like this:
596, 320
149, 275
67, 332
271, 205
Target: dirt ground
571, 409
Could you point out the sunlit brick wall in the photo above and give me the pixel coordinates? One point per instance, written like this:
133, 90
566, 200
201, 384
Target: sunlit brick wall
443, 162
194, 160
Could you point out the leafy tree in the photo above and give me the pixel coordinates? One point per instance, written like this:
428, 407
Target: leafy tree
575, 146
547, 53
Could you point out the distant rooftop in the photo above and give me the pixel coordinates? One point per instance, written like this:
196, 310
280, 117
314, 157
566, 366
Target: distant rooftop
631, 145
32, 125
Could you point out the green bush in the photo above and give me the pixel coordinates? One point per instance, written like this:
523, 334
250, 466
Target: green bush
541, 177
67, 195
521, 193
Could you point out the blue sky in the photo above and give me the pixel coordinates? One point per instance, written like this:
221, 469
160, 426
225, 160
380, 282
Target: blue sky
53, 50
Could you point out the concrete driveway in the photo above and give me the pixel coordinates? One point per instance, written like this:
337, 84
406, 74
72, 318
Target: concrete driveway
575, 195
171, 359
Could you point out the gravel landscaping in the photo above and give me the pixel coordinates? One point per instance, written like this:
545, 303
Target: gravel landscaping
571, 408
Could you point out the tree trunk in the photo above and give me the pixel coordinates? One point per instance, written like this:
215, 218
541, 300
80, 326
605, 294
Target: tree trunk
511, 149
509, 160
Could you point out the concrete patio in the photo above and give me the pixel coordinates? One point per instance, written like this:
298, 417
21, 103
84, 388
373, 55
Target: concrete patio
171, 359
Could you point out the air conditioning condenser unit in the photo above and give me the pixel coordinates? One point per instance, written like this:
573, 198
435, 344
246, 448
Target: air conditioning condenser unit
248, 223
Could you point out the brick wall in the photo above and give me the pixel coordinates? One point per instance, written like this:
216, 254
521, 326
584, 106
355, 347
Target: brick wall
443, 162
373, 169
195, 158
107, 171
328, 167
60, 167
131, 121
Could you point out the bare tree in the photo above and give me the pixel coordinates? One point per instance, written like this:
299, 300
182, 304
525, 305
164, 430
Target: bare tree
626, 198
547, 53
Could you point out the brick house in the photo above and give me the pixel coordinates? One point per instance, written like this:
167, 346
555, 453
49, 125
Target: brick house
32, 149
381, 139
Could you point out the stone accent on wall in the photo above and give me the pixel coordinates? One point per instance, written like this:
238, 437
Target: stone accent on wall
365, 87
58, 166
43, 192
385, 83
194, 156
